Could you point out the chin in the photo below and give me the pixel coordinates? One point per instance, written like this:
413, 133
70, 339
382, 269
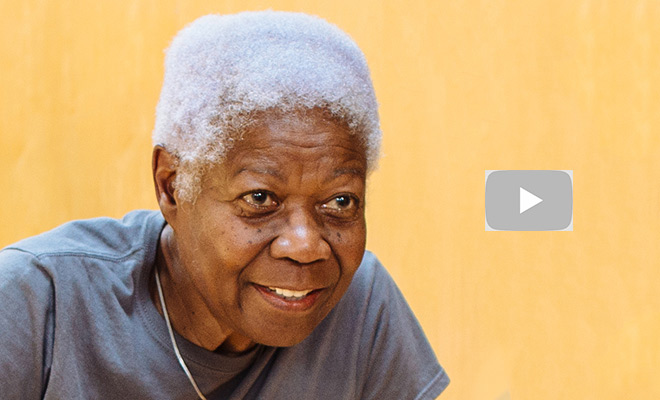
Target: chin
282, 333
275, 327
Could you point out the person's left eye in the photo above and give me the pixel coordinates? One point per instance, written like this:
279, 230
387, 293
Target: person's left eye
343, 204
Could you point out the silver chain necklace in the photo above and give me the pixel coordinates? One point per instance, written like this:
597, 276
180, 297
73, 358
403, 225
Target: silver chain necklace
176, 348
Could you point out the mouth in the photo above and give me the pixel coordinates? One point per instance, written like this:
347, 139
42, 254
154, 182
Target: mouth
289, 299
290, 295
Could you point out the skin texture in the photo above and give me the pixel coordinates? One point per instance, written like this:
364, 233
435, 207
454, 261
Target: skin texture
285, 209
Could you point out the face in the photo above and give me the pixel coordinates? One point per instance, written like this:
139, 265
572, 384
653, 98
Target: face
274, 238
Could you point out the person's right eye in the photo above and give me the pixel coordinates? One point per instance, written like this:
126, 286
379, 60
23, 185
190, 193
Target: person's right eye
261, 200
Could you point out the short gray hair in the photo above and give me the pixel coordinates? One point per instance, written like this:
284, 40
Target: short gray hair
220, 70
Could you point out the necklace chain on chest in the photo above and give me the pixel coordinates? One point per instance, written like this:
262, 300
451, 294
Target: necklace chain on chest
171, 331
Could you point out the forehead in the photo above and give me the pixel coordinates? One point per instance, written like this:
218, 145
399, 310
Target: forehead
303, 137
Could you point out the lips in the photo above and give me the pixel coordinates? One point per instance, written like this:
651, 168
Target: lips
290, 294
289, 299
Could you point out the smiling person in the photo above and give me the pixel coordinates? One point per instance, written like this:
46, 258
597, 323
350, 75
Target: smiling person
252, 281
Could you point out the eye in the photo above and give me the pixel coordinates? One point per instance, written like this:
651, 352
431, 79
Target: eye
342, 205
260, 199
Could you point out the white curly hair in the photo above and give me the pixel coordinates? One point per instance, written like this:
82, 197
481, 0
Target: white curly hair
221, 70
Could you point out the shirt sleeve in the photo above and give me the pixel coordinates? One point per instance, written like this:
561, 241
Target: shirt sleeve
26, 325
400, 361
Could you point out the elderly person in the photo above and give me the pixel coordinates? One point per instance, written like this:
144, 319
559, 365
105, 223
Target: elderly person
252, 282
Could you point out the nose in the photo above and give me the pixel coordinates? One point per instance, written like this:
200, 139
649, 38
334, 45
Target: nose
301, 240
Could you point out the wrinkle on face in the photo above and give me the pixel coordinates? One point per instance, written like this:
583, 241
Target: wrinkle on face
226, 246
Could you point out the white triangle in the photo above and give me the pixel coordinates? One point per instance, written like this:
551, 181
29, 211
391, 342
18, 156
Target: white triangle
528, 200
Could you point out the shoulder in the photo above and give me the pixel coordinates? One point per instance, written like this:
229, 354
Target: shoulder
395, 358
33, 268
21, 276
26, 295
99, 253
97, 237
370, 346
373, 291
69, 279
371, 272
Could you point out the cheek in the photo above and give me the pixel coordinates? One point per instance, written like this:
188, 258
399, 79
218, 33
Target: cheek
220, 251
231, 239
348, 245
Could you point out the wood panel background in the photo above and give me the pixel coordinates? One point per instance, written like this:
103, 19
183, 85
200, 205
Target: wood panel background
464, 86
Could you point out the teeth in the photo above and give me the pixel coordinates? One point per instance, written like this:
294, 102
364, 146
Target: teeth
290, 293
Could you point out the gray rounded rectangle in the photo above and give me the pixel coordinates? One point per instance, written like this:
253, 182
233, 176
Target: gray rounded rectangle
546, 196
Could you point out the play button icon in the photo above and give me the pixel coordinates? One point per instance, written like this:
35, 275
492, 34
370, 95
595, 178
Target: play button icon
529, 200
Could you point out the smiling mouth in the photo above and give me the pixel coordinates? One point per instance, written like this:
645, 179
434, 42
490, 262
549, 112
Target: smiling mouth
289, 294
288, 299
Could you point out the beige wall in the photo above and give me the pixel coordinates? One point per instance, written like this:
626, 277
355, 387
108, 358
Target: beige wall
464, 86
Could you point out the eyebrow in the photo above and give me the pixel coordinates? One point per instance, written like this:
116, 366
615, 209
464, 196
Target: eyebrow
261, 171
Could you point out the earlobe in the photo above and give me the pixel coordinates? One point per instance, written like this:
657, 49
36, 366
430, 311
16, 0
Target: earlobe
163, 166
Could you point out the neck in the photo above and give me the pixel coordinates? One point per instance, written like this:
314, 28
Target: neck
189, 315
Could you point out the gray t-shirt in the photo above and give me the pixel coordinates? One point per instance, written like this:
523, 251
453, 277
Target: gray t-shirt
77, 322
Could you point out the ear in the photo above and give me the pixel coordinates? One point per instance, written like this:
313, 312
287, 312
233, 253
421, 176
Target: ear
163, 165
